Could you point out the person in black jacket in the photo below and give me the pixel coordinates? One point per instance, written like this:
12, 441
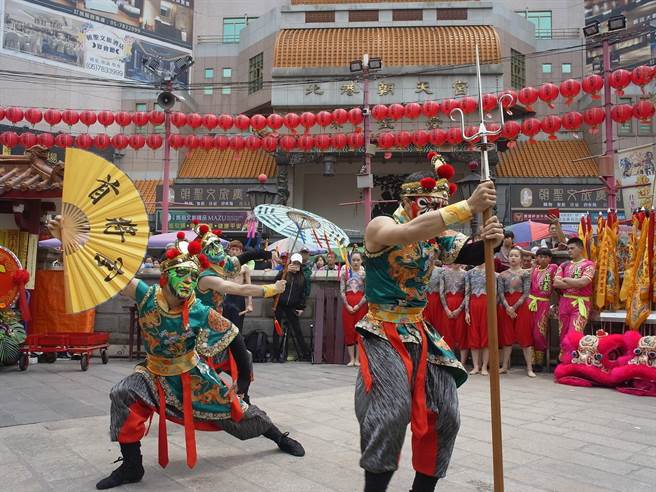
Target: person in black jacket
291, 306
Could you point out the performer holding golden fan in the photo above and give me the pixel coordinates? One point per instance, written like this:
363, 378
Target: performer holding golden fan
104, 230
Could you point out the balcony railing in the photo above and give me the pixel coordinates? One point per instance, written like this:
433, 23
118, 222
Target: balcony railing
563, 33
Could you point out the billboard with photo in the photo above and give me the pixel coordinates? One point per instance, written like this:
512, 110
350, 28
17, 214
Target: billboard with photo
70, 41
635, 173
635, 49
165, 20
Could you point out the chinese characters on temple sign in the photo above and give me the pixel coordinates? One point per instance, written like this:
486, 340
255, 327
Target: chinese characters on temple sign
433, 123
349, 89
105, 187
120, 227
208, 195
386, 124
385, 88
313, 89
424, 87
460, 88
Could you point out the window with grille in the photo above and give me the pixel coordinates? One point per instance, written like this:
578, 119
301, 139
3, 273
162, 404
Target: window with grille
408, 15
566, 68
227, 72
209, 73
541, 19
363, 16
517, 69
546, 68
255, 73
451, 14
319, 16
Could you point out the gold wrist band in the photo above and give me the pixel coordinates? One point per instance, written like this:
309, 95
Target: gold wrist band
269, 290
458, 212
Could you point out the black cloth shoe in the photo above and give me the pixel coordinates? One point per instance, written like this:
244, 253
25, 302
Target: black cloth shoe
290, 446
377, 482
130, 471
424, 483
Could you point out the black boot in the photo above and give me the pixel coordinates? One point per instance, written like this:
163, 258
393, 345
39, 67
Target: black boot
284, 442
377, 482
130, 471
423, 483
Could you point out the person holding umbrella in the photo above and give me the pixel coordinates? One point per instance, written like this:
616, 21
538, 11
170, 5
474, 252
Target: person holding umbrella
407, 372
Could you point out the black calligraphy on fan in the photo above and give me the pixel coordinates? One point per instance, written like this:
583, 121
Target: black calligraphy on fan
120, 227
106, 186
115, 267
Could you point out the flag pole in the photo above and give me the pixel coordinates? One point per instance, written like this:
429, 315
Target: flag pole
490, 280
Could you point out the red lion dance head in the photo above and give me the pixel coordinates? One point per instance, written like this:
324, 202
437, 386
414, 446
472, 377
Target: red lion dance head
638, 375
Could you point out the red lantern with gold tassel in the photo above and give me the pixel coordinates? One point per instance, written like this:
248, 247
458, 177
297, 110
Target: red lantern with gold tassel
28, 140
430, 109
154, 141
137, 141
437, 137
64, 140
454, 136
551, 125
338, 141
386, 140
207, 142
46, 139
643, 110
123, 118
355, 116
621, 113
269, 143
420, 138
225, 122
102, 141
324, 118
448, 105
88, 118
412, 110
156, 118
641, 76
531, 127
287, 143
619, 79
106, 118
275, 121
14, 114
54, 116
569, 89
222, 142
340, 116
253, 142
379, 112
308, 120
468, 105
140, 118
592, 84
33, 116
322, 141
83, 141
548, 93
176, 141
528, 96
593, 117
572, 121
194, 120
210, 121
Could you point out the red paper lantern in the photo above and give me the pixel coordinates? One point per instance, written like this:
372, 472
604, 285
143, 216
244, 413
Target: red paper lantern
449, 105
2, 113
194, 120
83, 141
641, 76
306, 142
308, 120
548, 92
177, 119
386, 140
46, 139
269, 143
225, 122
324, 118
322, 141
510, 130
531, 127
275, 121
253, 142
287, 143
593, 117
592, 84
569, 89
53, 116
106, 118
137, 141
437, 137
156, 118
528, 96
140, 118
572, 120
493, 127
412, 110
454, 136
10, 139
470, 131
403, 139
154, 141
33, 116
123, 118
550, 125
340, 116
207, 142
396, 111
64, 140
468, 105
237, 143
338, 141
191, 141
176, 141
379, 112
356, 140
621, 113
258, 122
355, 116
619, 79
28, 140
101, 141
14, 114
222, 142
509, 100
643, 110
490, 102
430, 109
210, 121
292, 120
420, 138
242, 122
88, 118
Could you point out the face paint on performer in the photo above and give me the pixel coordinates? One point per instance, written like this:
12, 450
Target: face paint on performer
215, 252
182, 281
421, 204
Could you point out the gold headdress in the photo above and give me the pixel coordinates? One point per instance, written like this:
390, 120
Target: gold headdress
205, 235
428, 186
182, 254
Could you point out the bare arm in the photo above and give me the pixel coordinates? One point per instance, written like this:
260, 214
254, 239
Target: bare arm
226, 287
130, 290
558, 282
577, 283
247, 281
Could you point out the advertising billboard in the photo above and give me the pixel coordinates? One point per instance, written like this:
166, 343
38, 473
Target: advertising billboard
75, 42
165, 20
635, 173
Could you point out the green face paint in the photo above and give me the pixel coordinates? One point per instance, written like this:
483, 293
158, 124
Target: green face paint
215, 252
183, 281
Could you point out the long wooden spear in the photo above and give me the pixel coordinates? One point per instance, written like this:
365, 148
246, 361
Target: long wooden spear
490, 280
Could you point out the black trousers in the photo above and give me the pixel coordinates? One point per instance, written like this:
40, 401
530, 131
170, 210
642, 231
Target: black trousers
232, 306
280, 353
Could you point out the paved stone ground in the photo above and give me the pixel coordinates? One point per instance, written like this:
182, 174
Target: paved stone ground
54, 420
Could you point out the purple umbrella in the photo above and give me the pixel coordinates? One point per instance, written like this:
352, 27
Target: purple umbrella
158, 241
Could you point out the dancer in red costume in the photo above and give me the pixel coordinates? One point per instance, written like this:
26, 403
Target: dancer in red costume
351, 287
452, 298
476, 319
539, 304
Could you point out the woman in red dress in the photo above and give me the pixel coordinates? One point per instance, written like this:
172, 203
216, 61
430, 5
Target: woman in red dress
351, 286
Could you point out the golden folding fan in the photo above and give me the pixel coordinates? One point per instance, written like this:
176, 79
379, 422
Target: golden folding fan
104, 230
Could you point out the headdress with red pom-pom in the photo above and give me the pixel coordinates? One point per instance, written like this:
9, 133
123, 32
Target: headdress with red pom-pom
182, 254
438, 186
205, 234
